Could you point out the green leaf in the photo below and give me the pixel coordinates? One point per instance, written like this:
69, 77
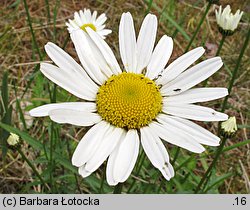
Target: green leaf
217, 181
236, 145
66, 163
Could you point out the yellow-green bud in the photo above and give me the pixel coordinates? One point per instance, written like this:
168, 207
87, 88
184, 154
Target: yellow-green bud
229, 127
13, 139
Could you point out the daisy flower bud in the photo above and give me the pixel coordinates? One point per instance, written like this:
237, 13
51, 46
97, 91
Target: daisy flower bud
227, 21
229, 127
13, 139
86, 19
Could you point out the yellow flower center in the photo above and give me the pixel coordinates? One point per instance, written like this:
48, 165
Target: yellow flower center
84, 26
129, 100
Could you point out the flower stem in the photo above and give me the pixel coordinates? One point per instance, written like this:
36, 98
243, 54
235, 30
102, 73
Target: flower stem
182, 19
118, 188
230, 86
231, 83
207, 174
221, 44
51, 161
198, 27
31, 166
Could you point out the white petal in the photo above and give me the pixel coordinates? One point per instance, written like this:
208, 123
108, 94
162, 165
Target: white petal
87, 14
65, 61
160, 57
77, 19
111, 161
101, 19
74, 117
110, 166
83, 18
192, 76
109, 142
127, 42
86, 56
89, 143
105, 50
105, 32
180, 65
99, 59
175, 136
69, 81
93, 18
200, 134
194, 112
100, 28
73, 24
44, 110
83, 172
156, 152
196, 95
126, 156
145, 41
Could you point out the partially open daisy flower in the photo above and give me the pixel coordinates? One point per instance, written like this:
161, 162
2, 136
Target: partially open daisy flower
84, 19
227, 21
141, 103
229, 127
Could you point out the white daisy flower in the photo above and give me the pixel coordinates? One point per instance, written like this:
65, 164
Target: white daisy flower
226, 20
135, 106
84, 19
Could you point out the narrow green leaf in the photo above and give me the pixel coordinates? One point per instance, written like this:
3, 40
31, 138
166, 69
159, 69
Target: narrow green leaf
149, 6
31, 30
4, 92
48, 10
218, 180
6, 113
66, 163
236, 145
19, 109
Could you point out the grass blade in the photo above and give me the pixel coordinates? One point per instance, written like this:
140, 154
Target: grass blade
31, 30
171, 20
6, 113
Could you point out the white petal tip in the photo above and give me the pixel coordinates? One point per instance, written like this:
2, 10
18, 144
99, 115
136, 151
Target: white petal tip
201, 49
225, 117
83, 172
32, 113
112, 183
48, 45
201, 150
226, 92
75, 162
36, 112
198, 150
218, 59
